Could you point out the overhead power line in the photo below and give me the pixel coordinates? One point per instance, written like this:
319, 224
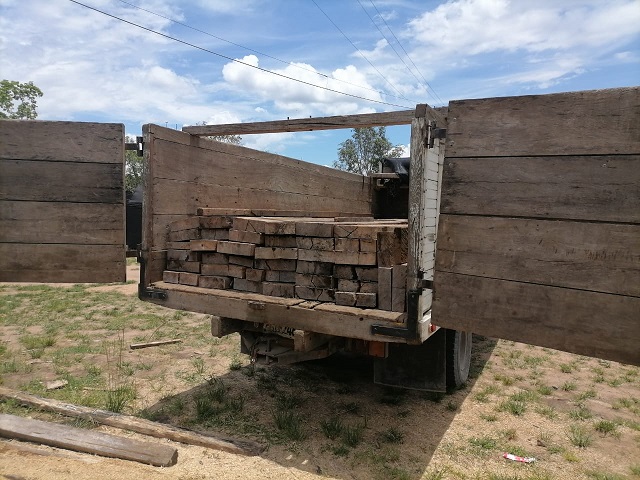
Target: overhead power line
324, 75
236, 60
407, 54
359, 51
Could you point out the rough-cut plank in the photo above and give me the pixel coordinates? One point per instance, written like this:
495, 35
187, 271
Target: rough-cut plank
538, 125
367, 274
273, 253
220, 221
315, 229
346, 298
66, 141
247, 285
242, 261
188, 223
62, 263
214, 234
184, 266
368, 245
316, 268
316, 281
346, 272
384, 287
246, 237
315, 243
366, 231
237, 271
184, 235
56, 222
216, 170
82, 440
348, 286
347, 244
216, 258
278, 289
170, 277
215, 269
402, 117
318, 256
326, 318
134, 424
49, 181
285, 241
217, 282
278, 264
588, 323
255, 274
188, 278
591, 256
393, 247
157, 343
317, 294
279, 276
236, 248
203, 245
361, 258
366, 300
602, 188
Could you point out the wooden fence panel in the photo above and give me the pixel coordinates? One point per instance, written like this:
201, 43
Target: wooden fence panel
62, 209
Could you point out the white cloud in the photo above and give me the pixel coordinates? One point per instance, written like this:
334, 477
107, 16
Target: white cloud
234, 7
558, 39
300, 99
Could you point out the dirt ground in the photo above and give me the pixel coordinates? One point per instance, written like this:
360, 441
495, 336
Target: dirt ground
579, 417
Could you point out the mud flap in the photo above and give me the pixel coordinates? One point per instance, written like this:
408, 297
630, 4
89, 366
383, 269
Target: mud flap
417, 367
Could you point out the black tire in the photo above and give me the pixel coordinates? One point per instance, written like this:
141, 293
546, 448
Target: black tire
458, 358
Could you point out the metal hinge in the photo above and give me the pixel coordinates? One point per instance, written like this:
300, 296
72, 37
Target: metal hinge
434, 133
138, 146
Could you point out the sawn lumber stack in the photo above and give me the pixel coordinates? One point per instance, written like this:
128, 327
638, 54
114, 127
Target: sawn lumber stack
348, 261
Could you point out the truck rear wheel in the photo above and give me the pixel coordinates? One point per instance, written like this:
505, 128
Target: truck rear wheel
458, 358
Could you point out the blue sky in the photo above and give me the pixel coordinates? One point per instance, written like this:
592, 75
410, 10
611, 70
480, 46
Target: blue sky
95, 68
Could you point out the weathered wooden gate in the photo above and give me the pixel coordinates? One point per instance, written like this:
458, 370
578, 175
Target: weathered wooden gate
539, 233
61, 202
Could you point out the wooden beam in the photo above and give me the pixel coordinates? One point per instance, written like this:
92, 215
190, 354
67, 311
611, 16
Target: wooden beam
136, 346
134, 424
81, 440
403, 117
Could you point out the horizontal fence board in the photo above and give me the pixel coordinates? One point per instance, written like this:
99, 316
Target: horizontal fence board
587, 323
602, 188
70, 141
61, 222
588, 123
158, 133
174, 197
50, 181
592, 256
21, 262
402, 117
185, 163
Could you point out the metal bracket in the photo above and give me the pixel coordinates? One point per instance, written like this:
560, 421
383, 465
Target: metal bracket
138, 146
434, 133
426, 284
410, 331
149, 292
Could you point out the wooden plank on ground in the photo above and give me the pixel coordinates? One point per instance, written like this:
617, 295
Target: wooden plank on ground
134, 424
402, 117
82, 440
600, 257
602, 188
588, 323
537, 124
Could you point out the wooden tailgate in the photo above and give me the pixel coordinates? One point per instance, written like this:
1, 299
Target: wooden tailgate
539, 234
62, 215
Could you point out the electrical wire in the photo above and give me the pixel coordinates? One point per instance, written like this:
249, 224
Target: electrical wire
236, 60
177, 22
389, 43
407, 54
360, 52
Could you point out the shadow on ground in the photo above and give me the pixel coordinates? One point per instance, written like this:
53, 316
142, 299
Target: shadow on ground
325, 417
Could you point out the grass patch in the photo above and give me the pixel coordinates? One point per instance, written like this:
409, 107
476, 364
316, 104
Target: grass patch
393, 435
352, 435
606, 427
579, 436
569, 386
484, 443
547, 411
332, 427
580, 413
290, 424
514, 407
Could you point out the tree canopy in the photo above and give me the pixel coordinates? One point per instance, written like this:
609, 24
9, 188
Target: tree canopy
18, 100
365, 149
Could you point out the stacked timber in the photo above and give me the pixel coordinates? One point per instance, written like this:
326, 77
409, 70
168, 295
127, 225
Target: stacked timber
347, 261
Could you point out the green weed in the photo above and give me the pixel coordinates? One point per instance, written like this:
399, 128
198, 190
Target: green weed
579, 436
332, 427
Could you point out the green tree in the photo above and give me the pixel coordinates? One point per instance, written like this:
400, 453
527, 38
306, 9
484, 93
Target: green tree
24, 95
133, 167
366, 147
233, 139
